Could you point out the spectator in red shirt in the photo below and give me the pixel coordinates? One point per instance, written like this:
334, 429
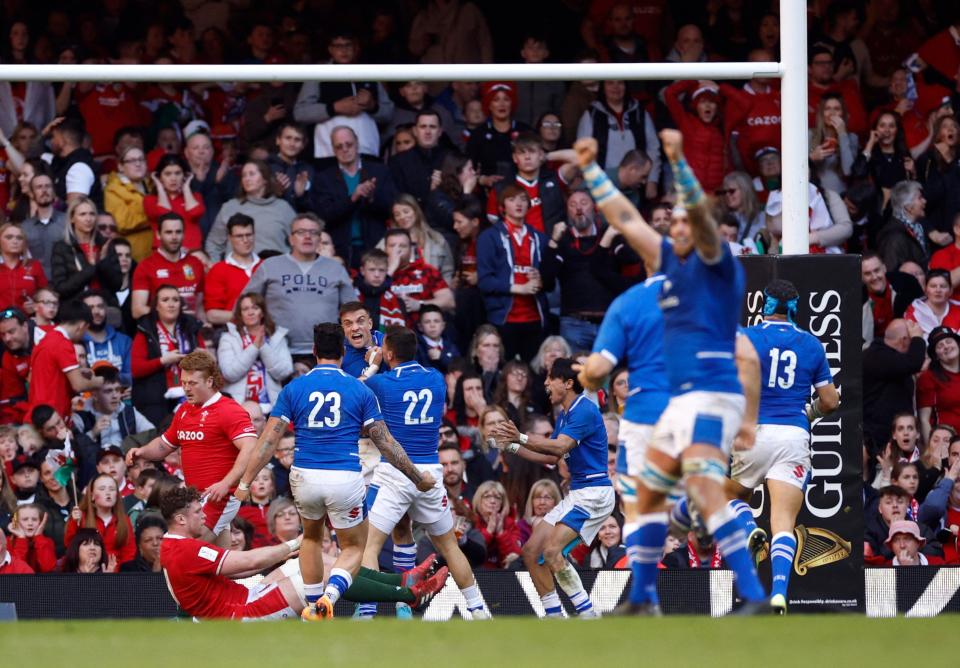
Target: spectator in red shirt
107, 107
54, 365
948, 258
171, 180
415, 282
75, 259
494, 521
262, 491
17, 334
761, 125
27, 540
938, 387
228, 278
820, 68
101, 508
11, 564
168, 265
20, 276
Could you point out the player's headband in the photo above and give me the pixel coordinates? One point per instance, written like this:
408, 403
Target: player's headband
771, 304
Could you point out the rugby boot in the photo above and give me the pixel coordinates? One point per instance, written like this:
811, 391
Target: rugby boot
319, 611
428, 588
420, 572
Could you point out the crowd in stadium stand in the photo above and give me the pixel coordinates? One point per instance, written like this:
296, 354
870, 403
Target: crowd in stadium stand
143, 221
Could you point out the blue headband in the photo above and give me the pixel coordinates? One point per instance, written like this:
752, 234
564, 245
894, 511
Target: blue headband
771, 304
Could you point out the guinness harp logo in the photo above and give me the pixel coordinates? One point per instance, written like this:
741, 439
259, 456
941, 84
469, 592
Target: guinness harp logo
818, 547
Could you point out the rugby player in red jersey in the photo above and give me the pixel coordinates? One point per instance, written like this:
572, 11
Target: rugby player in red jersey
215, 437
198, 573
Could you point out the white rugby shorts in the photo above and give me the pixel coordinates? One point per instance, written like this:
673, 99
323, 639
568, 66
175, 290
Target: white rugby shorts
391, 494
701, 418
634, 438
781, 453
320, 493
584, 510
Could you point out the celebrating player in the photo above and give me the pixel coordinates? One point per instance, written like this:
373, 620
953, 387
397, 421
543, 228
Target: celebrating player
209, 429
700, 299
198, 573
580, 437
328, 410
791, 362
633, 328
412, 398
362, 356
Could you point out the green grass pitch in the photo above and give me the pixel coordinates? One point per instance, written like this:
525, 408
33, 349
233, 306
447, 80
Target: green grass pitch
807, 641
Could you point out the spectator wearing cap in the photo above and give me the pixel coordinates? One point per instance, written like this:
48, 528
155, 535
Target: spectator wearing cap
20, 276
295, 177
886, 295
889, 365
19, 335
891, 507
358, 105
123, 199
696, 107
938, 387
904, 237
905, 543
110, 461
108, 420
490, 146
227, 279
259, 198
620, 125
355, 196
54, 360
935, 308
417, 170
25, 478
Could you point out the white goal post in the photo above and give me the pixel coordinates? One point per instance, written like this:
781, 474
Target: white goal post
792, 70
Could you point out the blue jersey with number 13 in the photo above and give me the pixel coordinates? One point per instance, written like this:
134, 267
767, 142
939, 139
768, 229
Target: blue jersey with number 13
327, 409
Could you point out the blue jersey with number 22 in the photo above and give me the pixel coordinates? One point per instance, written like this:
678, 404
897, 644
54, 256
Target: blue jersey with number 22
327, 409
412, 398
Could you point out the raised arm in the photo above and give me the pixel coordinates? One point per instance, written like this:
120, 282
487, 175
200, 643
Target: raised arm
703, 227
616, 208
394, 454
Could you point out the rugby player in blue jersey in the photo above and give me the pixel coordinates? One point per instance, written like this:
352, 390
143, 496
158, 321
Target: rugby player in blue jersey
792, 361
580, 438
329, 411
412, 398
700, 298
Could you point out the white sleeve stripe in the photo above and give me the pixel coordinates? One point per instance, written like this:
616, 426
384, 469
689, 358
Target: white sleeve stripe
823, 383
172, 445
369, 421
68, 369
609, 356
223, 557
284, 418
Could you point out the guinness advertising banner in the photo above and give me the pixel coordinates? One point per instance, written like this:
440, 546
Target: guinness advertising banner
828, 569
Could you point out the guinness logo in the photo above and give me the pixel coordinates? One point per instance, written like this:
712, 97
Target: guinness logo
818, 547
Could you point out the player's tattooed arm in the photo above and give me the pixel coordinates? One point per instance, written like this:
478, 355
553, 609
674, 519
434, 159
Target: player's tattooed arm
392, 451
266, 445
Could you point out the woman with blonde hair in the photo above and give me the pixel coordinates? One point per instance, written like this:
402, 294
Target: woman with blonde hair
543, 497
493, 521
21, 276
426, 241
738, 198
73, 262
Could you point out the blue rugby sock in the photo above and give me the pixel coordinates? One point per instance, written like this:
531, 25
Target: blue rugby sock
404, 557
644, 549
730, 533
339, 582
680, 514
745, 513
782, 551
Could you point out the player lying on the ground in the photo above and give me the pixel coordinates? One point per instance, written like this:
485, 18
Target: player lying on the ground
329, 411
198, 573
701, 299
581, 439
412, 398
